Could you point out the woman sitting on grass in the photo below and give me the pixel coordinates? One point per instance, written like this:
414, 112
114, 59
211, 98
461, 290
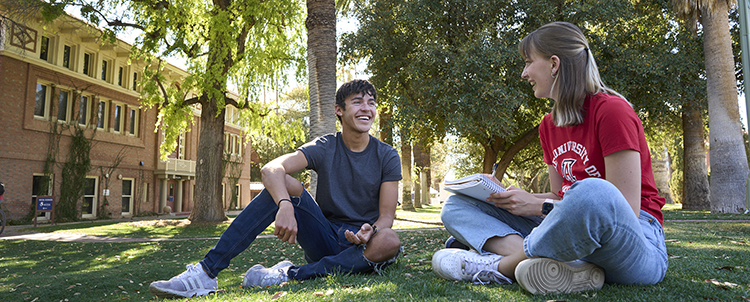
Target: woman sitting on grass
602, 220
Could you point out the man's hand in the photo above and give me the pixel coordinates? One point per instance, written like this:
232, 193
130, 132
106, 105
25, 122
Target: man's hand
285, 227
362, 237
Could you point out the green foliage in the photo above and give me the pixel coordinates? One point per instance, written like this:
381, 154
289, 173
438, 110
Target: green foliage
453, 67
74, 180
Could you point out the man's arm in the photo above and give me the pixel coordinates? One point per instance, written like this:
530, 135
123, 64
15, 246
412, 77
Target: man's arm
275, 176
388, 201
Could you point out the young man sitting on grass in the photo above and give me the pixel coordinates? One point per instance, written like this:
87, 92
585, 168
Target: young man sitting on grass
347, 228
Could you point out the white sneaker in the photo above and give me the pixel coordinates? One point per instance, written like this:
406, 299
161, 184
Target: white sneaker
463, 265
545, 275
258, 275
191, 283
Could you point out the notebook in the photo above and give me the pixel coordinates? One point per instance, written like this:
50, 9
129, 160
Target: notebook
478, 186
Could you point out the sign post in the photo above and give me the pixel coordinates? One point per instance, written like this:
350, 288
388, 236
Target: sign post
45, 204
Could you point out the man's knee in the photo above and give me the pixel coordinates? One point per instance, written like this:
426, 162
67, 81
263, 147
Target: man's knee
383, 246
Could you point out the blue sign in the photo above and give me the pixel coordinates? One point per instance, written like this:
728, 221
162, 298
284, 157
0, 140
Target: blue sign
44, 204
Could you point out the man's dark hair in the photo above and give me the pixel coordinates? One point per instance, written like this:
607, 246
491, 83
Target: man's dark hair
354, 87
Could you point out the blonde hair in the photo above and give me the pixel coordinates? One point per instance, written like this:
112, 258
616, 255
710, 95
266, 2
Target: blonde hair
577, 75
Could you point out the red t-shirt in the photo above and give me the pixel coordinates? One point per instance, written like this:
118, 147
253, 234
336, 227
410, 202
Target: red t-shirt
609, 125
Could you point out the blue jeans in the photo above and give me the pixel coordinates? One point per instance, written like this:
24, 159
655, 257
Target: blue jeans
326, 249
593, 222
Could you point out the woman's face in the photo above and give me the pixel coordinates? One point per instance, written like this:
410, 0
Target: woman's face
538, 71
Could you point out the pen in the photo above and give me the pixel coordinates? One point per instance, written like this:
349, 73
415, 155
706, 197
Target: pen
494, 168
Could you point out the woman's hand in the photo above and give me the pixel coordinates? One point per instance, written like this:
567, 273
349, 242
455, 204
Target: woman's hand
517, 202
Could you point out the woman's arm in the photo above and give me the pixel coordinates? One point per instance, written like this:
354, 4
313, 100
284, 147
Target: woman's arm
623, 169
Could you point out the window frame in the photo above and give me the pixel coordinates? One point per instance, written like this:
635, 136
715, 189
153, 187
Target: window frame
133, 120
86, 107
46, 106
45, 48
94, 198
130, 197
68, 105
102, 118
117, 125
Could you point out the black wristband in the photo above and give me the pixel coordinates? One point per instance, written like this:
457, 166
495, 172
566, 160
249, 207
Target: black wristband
280, 200
374, 229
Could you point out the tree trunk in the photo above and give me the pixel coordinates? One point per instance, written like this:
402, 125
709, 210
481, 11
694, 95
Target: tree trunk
406, 203
695, 190
386, 128
729, 167
321, 67
660, 167
422, 161
208, 167
528, 137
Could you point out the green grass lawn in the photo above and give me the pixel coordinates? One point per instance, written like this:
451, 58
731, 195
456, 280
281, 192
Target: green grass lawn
709, 261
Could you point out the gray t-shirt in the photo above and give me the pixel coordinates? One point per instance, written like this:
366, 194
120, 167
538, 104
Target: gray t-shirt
349, 182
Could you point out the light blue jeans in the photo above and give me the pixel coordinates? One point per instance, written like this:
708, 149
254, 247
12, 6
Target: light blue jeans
593, 222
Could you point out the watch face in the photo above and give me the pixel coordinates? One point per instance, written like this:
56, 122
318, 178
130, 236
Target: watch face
547, 207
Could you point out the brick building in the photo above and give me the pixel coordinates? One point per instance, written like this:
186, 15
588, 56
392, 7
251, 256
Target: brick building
60, 77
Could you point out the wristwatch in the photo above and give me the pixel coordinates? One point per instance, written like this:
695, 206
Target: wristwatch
547, 206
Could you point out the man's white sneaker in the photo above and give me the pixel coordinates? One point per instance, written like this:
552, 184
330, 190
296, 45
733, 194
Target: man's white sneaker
258, 275
191, 283
545, 275
463, 265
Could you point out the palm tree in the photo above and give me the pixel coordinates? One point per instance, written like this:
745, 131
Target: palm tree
729, 169
321, 62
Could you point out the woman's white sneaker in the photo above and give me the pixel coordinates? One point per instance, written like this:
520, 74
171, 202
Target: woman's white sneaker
463, 265
545, 276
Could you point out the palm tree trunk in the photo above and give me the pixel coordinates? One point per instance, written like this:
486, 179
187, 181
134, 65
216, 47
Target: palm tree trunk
406, 202
321, 66
729, 167
695, 188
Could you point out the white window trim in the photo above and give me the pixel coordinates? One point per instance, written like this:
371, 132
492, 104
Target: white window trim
95, 197
132, 194
115, 124
68, 105
105, 116
133, 123
89, 111
47, 101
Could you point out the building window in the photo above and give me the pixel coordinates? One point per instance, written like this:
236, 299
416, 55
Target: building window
181, 146
87, 57
127, 196
63, 106
238, 197
119, 77
88, 207
101, 115
83, 111
66, 56
41, 186
41, 101
226, 143
104, 70
44, 49
118, 118
135, 81
133, 122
